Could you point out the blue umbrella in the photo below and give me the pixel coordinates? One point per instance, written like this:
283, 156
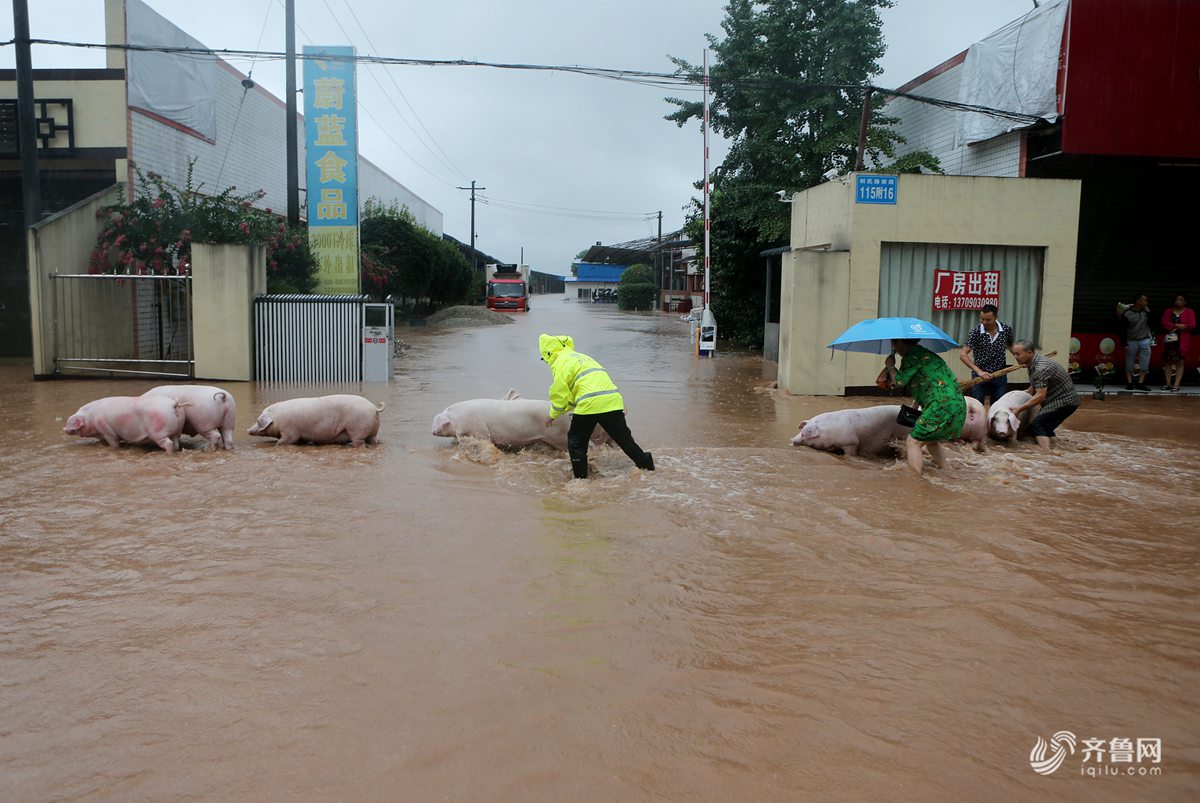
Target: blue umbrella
875, 335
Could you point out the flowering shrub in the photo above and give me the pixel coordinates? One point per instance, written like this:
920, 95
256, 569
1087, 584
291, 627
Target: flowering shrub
154, 233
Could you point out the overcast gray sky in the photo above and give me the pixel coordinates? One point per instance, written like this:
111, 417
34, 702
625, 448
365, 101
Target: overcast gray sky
555, 140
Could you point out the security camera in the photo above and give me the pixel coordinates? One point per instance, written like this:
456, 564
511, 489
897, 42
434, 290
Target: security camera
782, 194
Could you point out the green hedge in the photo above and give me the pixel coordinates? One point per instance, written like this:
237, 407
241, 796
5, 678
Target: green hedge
636, 296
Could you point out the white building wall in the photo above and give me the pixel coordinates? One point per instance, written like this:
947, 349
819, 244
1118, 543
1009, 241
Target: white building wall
932, 128
249, 152
374, 183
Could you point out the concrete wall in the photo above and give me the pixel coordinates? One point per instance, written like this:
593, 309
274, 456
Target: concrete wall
225, 280
97, 109
932, 128
813, 310
62, 243
930, 209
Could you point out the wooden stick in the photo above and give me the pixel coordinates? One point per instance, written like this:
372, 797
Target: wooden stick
979, 380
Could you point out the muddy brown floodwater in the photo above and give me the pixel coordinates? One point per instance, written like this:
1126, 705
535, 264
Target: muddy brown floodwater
424, 620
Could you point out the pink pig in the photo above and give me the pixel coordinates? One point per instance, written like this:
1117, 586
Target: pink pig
510, 422
211, 414
340, 418
130, 419
866, 430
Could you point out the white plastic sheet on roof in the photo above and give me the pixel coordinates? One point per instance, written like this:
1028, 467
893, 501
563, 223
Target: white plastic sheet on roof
1015, 69
178, 86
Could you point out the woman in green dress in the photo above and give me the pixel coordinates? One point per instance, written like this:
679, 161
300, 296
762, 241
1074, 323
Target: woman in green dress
931, 383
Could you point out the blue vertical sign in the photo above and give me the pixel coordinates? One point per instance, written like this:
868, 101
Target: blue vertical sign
871, 188
331, 156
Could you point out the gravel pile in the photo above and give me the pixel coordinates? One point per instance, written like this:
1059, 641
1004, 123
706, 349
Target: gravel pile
399, 347
468, 316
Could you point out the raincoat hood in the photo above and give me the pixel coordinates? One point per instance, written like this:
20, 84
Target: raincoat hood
550, 345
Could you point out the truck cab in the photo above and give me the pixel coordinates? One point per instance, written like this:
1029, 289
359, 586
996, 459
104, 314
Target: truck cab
507, 289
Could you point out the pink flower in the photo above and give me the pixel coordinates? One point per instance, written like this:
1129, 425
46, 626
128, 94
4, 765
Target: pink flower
120, 241
244, 227
159, 202
187, 235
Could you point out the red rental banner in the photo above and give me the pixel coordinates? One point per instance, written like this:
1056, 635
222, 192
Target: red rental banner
956, 289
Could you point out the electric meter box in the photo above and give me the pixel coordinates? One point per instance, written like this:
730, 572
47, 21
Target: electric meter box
379, 328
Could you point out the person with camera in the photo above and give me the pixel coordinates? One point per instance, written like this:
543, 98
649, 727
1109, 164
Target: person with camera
1138, 341
985, 351
1178, 322
1051, 388
926, 377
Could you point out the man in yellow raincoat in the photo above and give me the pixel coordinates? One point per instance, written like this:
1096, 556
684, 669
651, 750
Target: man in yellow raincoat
583, 388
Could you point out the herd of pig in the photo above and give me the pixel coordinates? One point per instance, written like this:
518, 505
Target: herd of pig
875, 431
160, 416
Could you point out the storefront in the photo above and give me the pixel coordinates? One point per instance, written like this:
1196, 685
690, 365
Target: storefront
931, 247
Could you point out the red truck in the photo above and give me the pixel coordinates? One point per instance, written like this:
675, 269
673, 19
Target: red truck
507, 289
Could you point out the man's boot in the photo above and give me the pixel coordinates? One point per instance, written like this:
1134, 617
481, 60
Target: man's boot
579, 467
648, 463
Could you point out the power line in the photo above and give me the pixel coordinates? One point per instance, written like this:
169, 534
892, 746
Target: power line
551, 207
404, 98
677, 80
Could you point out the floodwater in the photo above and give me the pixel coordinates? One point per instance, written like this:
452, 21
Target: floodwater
423, 620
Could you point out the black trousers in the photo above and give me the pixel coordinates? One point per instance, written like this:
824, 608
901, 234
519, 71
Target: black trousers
582, 427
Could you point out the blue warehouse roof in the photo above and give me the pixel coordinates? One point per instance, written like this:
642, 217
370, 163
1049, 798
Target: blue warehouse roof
593, 272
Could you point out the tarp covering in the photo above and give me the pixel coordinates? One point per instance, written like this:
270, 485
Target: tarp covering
1014, 69
180, 87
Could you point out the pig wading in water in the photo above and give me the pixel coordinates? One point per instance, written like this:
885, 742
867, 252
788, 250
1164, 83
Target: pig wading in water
868, 431
1003, 423
211, 414
509, 422
874, 431
131, 419
340, 418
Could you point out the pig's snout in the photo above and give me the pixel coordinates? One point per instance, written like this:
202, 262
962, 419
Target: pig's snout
442, 428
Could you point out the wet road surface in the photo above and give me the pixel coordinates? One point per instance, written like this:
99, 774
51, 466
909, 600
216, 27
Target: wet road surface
431, 620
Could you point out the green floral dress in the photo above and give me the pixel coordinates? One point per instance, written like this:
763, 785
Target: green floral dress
932, 384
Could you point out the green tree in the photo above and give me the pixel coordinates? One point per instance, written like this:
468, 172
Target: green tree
640, 273
787, 92
410, 262
636, 289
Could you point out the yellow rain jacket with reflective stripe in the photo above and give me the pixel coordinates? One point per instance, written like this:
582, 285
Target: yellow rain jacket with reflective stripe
581, 385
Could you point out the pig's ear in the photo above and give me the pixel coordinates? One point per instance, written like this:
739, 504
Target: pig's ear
1014, 422
803, 424
512, 394
264, 421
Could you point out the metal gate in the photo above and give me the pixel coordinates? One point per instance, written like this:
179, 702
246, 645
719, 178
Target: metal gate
301, 338
136, 325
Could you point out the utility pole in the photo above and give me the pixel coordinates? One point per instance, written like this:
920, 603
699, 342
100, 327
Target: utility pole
474, 250
31, 188
863, 125
293, 170
658, 260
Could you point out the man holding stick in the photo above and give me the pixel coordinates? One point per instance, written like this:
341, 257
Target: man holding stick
1052, 388
989, 343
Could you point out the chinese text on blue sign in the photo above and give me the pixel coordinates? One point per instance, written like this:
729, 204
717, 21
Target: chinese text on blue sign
331, 157
876, 189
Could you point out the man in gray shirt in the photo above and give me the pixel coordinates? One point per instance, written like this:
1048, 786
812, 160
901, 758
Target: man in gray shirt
1137, 341
1051, 387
